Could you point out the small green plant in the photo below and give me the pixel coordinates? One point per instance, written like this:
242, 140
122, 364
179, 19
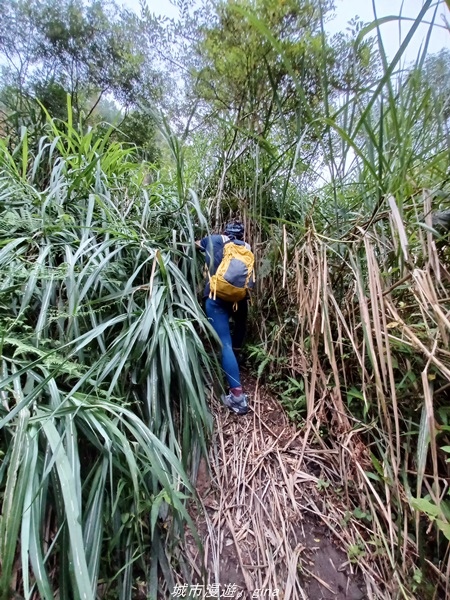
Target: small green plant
322, 485
417, 579
355, 552
358, 513
439, 514
293, 399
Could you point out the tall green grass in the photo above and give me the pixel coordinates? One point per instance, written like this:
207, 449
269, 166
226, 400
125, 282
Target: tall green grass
103, 368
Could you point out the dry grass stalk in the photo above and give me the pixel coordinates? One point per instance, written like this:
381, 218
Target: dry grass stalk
261, 495
373, 328
399, 226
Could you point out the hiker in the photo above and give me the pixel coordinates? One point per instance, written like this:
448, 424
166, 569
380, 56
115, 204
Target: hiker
219, 310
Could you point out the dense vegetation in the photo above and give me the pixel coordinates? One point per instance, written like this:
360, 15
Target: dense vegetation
338, 161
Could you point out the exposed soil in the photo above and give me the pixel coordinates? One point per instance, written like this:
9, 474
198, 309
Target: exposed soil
260, 521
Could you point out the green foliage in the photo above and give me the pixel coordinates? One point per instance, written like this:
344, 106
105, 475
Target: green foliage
268, 71
436, 76
102, 397
140, 128
293, 399
51, 49
336, 158
239, 57
356, 552
322, 485
440, 514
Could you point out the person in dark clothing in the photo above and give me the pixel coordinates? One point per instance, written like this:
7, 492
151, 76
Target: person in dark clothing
219, 312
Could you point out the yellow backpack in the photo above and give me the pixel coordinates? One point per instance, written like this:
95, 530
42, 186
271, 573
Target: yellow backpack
234, 276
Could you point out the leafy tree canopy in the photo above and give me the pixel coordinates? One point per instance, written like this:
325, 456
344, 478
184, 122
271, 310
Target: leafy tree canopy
257, 53
264, 74
92, 51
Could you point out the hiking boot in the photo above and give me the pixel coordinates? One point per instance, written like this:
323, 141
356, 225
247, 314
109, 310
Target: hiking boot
238, 404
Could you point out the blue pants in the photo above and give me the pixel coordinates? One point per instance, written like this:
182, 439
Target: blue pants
219, 312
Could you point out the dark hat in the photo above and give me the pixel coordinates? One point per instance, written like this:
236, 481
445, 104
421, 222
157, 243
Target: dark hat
235, 229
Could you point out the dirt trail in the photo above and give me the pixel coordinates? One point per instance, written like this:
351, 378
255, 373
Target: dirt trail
260, 524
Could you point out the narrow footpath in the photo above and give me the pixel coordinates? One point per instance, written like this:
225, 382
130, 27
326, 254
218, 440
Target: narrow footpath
263, 523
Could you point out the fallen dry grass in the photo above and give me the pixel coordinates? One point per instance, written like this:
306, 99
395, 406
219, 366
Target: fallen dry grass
273, 514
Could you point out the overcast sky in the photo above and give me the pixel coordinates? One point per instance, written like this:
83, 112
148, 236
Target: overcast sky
392, 35
347, 9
